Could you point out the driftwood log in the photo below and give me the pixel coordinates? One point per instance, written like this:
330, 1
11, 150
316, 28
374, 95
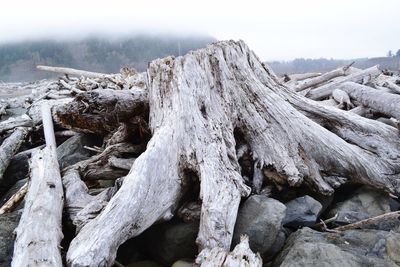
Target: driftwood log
202, 106
39, 234
10, 147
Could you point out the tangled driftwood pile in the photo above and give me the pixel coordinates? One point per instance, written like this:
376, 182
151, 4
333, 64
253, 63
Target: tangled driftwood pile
192, 137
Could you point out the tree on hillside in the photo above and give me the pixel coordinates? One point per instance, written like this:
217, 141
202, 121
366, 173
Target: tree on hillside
398, 53
389, 54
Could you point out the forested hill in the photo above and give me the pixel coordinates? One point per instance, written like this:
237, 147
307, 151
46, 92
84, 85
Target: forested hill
302, 65
18, 60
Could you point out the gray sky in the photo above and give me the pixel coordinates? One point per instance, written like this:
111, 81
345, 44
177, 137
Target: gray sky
278, 29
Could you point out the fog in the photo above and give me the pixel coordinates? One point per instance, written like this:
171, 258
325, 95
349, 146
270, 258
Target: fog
276, 30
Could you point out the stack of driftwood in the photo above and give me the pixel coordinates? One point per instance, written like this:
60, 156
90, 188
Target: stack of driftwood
187, 123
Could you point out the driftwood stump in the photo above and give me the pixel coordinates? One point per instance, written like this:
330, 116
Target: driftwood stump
203, 106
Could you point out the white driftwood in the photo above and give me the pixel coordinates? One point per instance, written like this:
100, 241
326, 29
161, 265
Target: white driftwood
327, 89
79, 204
304, 76
241, 256
14, 200
386, 103
392, 86
321, 79
10, 147
343, 98
11, 123
74, 72
197, 103
39, 234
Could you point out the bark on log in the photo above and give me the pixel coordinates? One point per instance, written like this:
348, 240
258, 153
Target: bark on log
74, 72
386, 103
39, 234
197, 104
10, 147
321, 79
101, 111
326, 90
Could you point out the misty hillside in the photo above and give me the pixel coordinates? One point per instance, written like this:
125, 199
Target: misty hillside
301, 65
18, 60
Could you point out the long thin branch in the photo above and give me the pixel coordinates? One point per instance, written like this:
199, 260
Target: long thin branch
369, 221
74, 72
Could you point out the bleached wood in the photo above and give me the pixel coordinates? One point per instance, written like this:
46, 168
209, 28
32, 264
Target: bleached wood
74, 72
303, 76
121, 163
39, 234
386, 103
321, 79
342, 98
241, 256
13, 122
10, 147
48, 127
392, 86
14, 199
197, 102
326, 90
79, 204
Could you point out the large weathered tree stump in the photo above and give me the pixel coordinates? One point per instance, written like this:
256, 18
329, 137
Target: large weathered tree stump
202, 106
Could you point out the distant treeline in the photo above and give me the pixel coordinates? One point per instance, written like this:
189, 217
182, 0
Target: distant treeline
302, 65
18, 60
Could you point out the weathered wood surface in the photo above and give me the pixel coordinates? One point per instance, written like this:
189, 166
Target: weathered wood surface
241, 256
10, 147
101, 111
79, 204
321, 79
326, 90
198, 102
11, 123
386, 103
99, 166
39, 233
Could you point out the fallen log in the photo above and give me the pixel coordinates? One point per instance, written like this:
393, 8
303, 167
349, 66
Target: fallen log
102, 111
386, 103
322, 79
39, 234
326, 90
11, 123
202, 105
392, 86
10, 147
304, 76
74, 72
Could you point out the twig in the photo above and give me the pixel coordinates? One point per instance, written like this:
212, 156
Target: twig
369, 221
